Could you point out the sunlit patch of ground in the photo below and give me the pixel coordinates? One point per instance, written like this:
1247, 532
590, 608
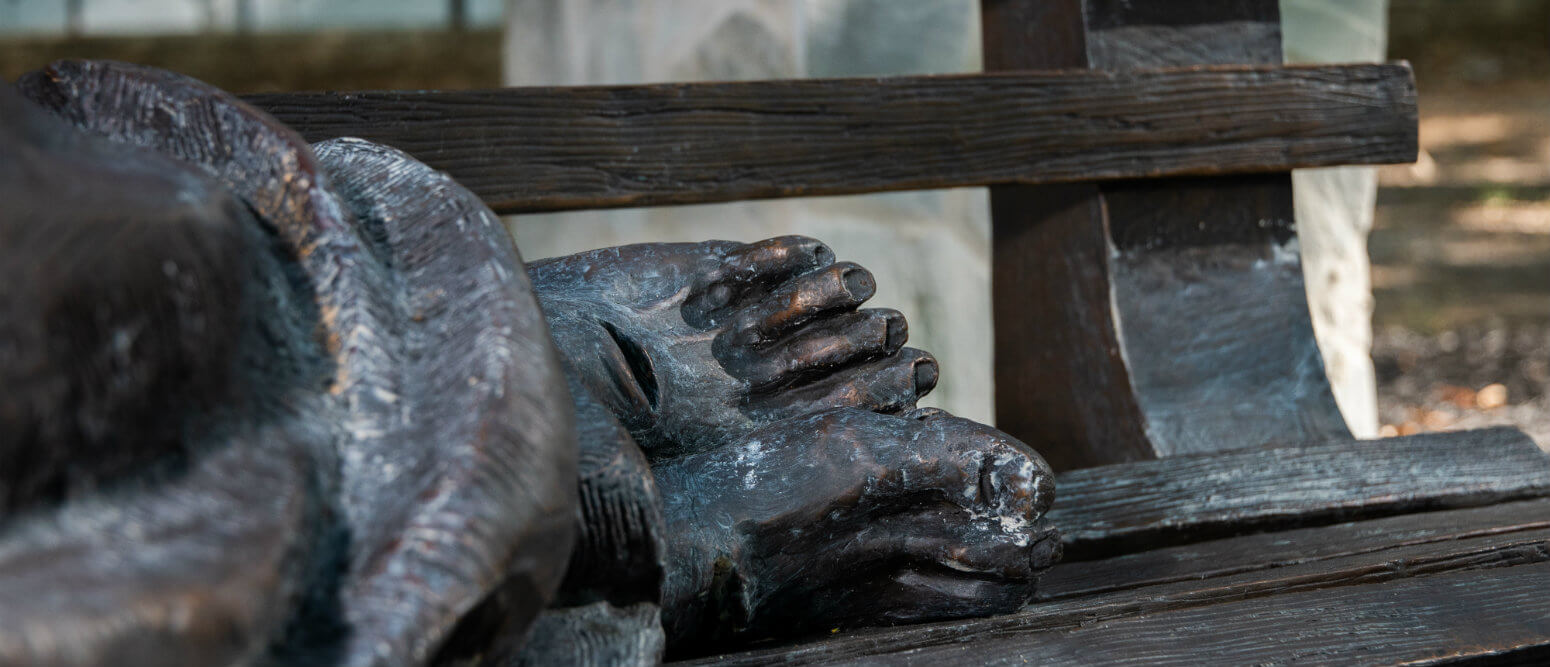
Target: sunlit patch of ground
1497, 133
1461, 242
1461, 265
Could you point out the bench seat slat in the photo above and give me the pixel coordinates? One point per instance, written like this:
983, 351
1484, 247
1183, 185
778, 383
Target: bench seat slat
555, 148
1116, 509
1261, 551
1443, 618
1340, 559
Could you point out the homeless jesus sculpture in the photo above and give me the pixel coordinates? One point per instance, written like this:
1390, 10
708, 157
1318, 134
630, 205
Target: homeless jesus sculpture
272, 403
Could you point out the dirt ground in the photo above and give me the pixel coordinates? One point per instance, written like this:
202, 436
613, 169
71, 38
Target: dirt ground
1461, 242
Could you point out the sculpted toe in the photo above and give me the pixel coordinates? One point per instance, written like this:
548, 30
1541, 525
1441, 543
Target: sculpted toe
837, 288
742, 275
1013, 480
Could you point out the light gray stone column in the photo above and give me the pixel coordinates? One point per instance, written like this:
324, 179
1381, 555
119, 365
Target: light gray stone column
1334, 209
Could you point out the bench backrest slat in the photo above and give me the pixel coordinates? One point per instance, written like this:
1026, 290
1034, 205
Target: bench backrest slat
556, 148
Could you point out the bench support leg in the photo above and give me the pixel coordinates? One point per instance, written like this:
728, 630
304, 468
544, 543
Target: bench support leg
1136, 320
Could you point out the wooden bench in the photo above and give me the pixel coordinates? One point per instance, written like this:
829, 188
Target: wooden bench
1151, 325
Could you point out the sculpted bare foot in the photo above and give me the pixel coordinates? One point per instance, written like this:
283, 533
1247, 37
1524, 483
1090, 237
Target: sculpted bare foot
849, 517
695, 344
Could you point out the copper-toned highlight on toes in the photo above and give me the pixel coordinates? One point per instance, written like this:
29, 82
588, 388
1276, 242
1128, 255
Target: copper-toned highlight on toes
782, 256
822, 255
859, 283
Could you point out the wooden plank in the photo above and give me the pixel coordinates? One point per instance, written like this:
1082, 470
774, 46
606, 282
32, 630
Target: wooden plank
1111, 510
1129, 33
1260, 551
1504, 550
1061, 381
1432, 545
1445, 618
536, 149
1140, 319
1207, 273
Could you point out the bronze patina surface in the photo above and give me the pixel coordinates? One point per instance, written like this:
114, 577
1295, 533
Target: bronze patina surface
305, 404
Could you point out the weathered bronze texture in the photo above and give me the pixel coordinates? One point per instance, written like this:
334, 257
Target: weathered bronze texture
353, 440
747, 462
160, 280
767, 399
1352, 549
447, 454
162, 500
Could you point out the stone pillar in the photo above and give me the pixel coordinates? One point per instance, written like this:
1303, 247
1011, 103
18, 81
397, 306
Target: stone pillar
1334, 209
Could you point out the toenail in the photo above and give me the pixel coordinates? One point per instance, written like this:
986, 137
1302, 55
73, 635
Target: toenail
898, 332
859, 283
822, 255
717, 297
925, 375
1046, 549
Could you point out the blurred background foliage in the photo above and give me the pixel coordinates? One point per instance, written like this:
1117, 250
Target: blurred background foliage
1460, 246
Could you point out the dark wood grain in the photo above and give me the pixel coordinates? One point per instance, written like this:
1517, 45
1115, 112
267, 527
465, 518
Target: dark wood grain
1261, 551
1060, 375
1126, 33
534, 149
1111, 510
1061, 381
1146, 318
1273, 575
1033, 34
1449, 617
1386, 564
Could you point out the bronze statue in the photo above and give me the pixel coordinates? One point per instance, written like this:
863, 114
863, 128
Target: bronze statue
291, 404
